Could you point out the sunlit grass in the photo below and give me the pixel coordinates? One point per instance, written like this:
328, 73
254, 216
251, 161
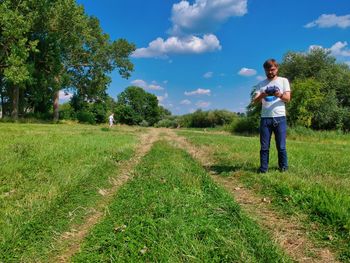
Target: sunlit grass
50, 178
317, 184
173, 212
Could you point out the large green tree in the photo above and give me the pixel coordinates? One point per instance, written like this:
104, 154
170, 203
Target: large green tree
135, 106
16, 20
50, 45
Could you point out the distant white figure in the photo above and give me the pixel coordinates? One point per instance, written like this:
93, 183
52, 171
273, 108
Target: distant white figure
111, 120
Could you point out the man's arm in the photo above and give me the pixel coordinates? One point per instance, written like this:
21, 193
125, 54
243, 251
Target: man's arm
259, 96
285, 97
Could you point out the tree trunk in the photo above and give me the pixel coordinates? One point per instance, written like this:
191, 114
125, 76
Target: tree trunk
56, 114
15, 99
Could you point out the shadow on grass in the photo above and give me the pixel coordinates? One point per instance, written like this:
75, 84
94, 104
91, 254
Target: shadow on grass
226, 170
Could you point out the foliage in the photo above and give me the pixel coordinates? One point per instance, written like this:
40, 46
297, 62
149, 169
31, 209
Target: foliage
204, 119
86, 117
244, 125
48, 46
169, 122
135, 105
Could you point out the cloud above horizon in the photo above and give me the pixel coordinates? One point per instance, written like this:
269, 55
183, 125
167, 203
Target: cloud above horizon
331, 20
185, 102
143, 84
160, 48
208, 75
204, 16
247, 72
193, 27
203, 104
198, 92
339, 49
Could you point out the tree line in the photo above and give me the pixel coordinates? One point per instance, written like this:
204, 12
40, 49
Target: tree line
52, 45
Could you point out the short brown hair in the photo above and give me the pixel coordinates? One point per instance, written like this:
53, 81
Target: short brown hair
270, 63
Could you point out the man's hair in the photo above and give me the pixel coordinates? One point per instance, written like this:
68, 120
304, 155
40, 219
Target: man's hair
270, 63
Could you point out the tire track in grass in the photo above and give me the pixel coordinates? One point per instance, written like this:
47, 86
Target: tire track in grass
287, 232
69, 242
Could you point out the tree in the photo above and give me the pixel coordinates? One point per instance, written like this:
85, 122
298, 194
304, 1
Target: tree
15, 22
134, 105
50, 45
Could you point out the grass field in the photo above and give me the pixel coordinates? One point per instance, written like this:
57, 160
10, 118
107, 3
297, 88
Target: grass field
317, 183
51, 177
173, 212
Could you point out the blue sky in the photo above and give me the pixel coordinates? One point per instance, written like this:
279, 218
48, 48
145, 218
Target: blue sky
208, 53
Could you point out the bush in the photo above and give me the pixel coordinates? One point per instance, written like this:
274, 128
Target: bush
244, 125
207, 119
86, 117
144, 123
167, 123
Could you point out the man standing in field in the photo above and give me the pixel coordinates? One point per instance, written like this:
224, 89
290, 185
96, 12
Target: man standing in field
111, 120
273, 93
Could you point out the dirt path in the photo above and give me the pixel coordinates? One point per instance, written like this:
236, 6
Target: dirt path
288, 233
69, 243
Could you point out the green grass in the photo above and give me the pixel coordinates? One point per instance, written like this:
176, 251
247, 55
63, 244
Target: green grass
173, 212
317, 184
49, 179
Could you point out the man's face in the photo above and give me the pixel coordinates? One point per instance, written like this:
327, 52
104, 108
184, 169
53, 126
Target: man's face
271, 72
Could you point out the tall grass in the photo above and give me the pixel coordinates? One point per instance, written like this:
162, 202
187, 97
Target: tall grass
172, 212
50, 177
317, 184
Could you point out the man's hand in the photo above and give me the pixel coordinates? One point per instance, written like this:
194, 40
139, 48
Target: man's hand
278, 94
259, 96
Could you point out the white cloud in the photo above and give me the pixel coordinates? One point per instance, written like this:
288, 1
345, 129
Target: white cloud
203, 104
198, 92
185, 102
331, 20
162, 98
143, 84
247, 72
208, 75
192, 28
64, 96
175, 45
260, 78
339, 49
204, 16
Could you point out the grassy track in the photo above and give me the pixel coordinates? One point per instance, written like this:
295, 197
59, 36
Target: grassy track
172, 212
318, 183
50, 176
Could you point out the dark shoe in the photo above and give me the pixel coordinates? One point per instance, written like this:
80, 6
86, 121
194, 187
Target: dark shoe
259, 171
283, 169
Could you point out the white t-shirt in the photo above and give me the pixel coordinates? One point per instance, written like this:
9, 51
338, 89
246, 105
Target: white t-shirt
273, 106
111, 119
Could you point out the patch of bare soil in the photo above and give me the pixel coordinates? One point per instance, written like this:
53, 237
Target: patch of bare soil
288, 233
69, 242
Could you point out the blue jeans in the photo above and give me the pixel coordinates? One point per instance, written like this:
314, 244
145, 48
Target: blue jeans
277, 125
